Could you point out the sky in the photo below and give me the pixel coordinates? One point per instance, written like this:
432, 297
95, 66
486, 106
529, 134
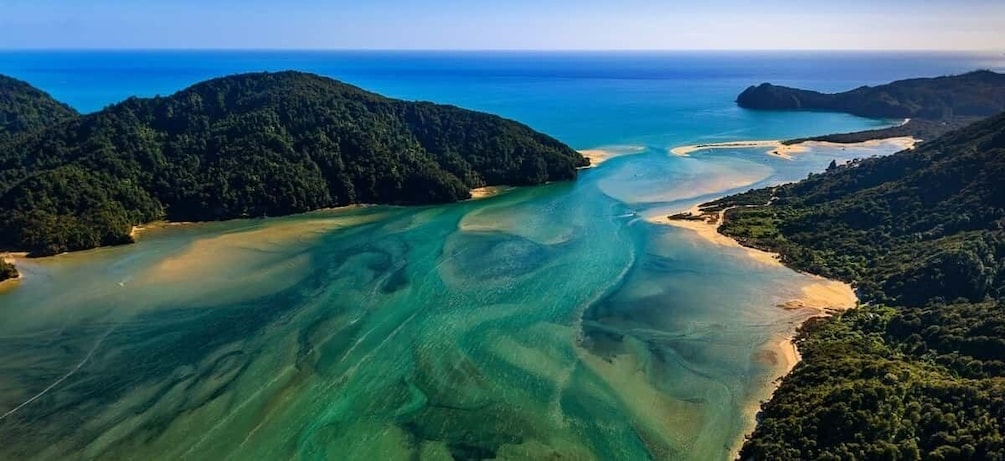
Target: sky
504, 24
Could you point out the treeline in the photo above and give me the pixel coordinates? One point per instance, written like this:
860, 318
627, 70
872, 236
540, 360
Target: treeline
254, 145
975, 94
920, 372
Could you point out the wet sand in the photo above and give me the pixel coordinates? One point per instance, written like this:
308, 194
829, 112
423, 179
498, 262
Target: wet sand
821, 296
600, 155
708, 230
778, 149
479, 193
11, 258
775, 148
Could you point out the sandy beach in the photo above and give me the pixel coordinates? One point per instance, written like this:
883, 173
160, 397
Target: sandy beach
11, 258
602, 154
708, 230
822, 296
479, 193
774, 148
778, 149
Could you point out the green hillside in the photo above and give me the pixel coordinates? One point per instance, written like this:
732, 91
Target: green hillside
24, 108
254, 145
918, 373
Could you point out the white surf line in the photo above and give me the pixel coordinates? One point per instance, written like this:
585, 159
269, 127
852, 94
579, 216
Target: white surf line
63, 378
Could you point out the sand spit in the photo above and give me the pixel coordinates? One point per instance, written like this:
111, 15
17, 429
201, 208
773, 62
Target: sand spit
600, 155
777, 149
708, 229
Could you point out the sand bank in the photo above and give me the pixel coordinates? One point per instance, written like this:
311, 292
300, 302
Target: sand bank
778, 149
774, 147
602, 154
900, 143
708, 230
479, 193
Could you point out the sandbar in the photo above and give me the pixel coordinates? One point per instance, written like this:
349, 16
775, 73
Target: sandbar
777, 149
708, 230
602, 154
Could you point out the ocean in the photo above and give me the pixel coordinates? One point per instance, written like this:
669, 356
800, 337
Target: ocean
549, 322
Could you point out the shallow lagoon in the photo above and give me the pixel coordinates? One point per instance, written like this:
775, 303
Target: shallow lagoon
544, 321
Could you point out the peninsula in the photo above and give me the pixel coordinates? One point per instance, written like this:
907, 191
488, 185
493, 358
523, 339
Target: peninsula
251, 145
930, 106
917, 371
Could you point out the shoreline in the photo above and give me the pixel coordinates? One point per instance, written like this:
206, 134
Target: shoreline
480, 193
777, 148
599, 155
11, 258
821, 297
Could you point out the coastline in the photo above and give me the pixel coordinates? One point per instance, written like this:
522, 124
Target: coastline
599, 155
778, 148
11, 258
822, 297
480, 193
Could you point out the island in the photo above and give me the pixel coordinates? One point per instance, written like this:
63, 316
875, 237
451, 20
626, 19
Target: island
250, 145
918, 370
930, 106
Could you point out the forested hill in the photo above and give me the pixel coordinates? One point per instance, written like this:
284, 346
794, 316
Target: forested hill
920, 372
25, 108
252, 145
975, 94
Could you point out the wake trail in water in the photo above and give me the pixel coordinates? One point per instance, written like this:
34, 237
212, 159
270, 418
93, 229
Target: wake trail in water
63, 378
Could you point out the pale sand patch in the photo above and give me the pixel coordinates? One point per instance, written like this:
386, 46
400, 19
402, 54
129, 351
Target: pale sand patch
602, 154
900, 143
596, 156
824, 296
777, 149
244, 264
11, 258
708, 230
157, 225
479, 193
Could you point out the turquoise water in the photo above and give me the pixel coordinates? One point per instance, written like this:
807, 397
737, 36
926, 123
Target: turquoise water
541, 323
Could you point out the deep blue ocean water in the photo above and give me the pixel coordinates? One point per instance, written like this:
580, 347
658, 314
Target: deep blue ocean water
551, 322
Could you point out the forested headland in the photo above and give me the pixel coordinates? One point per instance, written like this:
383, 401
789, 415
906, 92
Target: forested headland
251, 145
918, 372
935, 105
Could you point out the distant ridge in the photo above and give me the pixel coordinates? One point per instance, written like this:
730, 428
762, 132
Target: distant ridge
262, 144
975, 94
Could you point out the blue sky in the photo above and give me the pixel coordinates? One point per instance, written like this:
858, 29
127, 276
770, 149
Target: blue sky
508, 24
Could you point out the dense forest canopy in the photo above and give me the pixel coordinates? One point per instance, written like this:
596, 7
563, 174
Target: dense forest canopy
919, 373
24, 108
251, 145
975, 94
